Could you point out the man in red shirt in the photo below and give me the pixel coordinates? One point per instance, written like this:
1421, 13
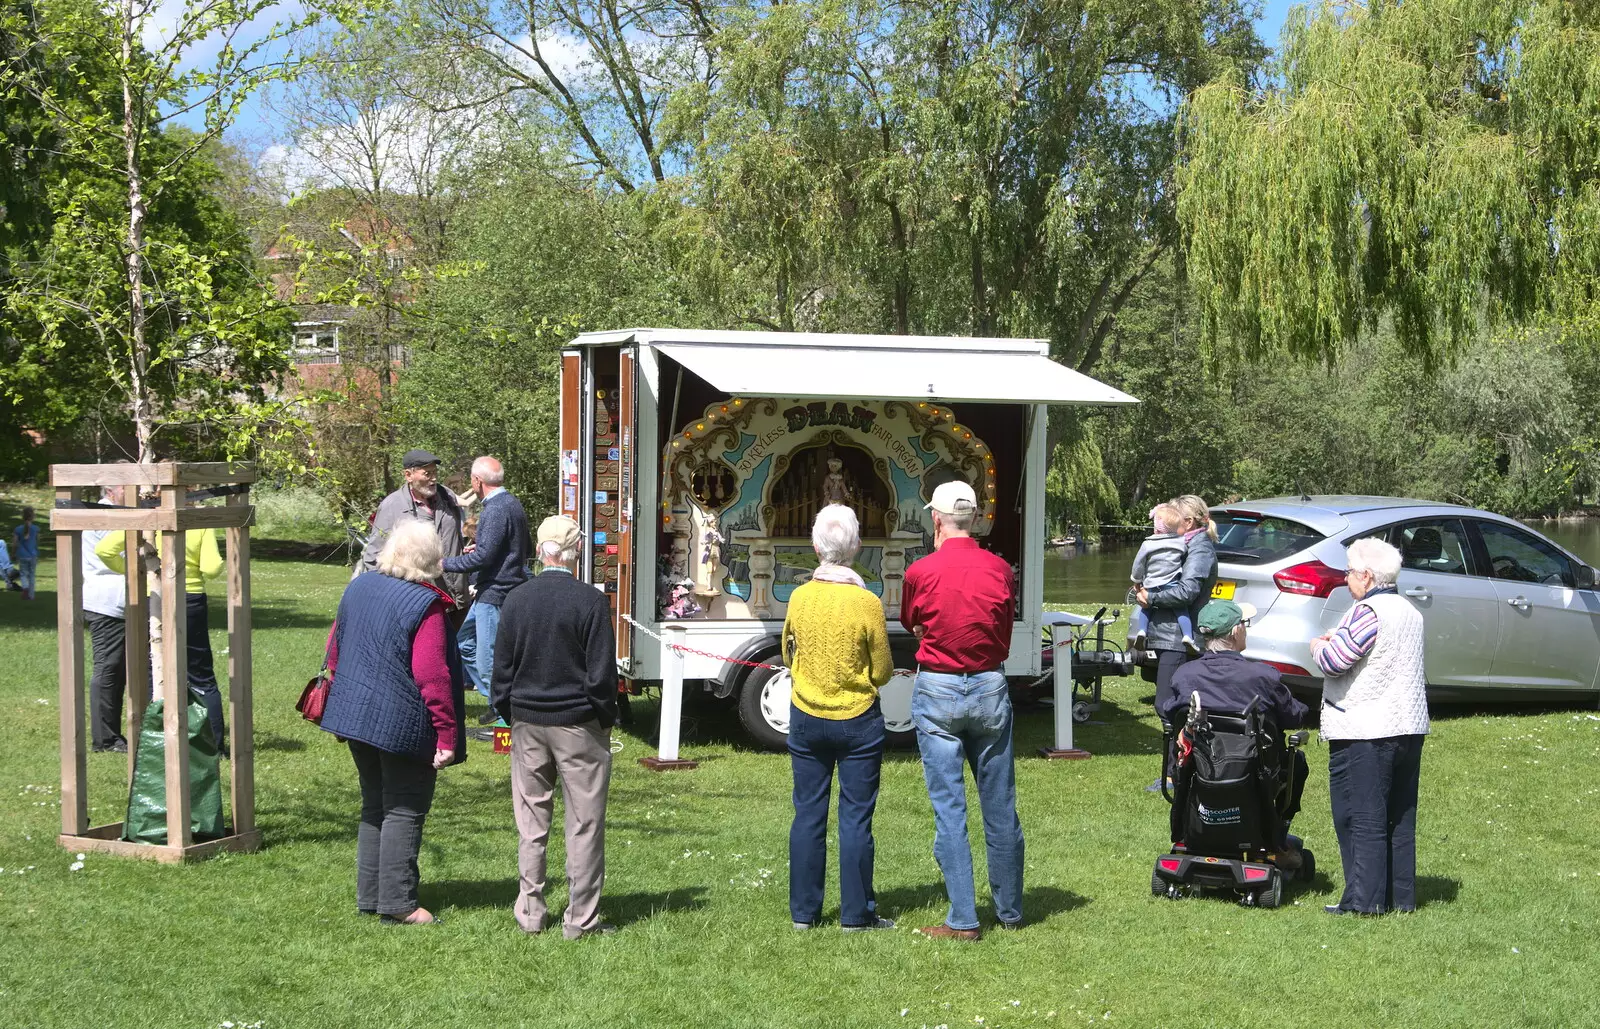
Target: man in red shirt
960, 602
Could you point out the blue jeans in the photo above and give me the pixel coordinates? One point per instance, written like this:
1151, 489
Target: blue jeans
467, 644
964, 719
476, 638
1373, 786
816, 746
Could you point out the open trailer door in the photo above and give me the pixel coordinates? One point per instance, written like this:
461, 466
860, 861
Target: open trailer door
598, 433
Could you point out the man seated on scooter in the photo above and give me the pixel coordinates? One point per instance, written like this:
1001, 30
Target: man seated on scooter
1226, 680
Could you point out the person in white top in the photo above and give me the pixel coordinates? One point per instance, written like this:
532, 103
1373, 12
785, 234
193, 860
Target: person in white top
105, 596
1374, 719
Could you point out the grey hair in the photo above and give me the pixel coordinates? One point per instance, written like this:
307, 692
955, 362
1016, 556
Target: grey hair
1375, 556
960, 521
836, 534
412, 552
490, 471
550, 550
1217, 644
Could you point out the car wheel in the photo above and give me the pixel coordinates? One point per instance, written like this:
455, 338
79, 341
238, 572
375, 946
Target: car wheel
1158, 885
764, 707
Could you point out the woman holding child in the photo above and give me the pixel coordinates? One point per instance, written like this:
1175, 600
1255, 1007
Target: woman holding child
1185, 592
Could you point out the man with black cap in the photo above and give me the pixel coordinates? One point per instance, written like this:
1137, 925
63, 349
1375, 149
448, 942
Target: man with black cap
424, 499
555, 681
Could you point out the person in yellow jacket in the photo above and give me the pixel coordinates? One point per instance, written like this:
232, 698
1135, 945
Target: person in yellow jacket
836, 645
202, 560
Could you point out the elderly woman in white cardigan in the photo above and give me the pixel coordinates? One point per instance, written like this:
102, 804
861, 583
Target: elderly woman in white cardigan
1374, 718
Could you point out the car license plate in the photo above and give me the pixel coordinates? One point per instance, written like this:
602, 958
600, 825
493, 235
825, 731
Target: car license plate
1223, 590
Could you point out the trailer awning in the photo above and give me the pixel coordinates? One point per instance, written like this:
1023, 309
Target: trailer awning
1006, 376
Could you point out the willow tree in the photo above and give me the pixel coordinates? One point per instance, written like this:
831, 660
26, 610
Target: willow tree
1435, 162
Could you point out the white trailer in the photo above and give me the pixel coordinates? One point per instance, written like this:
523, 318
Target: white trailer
696, 460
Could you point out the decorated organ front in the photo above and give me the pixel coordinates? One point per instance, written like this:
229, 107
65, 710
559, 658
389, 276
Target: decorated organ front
743, 483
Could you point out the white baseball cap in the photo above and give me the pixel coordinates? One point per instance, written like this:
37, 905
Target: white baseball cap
949, 496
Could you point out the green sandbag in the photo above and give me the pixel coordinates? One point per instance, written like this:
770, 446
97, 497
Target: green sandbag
147, 793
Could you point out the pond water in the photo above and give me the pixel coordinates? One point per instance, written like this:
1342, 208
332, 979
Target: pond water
1100, 576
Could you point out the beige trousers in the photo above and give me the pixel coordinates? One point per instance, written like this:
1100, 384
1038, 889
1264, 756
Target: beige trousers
581, 756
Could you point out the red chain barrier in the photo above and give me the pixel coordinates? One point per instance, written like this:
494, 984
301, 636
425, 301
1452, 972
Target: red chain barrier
723, 657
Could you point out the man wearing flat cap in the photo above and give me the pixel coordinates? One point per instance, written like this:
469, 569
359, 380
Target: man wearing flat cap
555, 681
421, 497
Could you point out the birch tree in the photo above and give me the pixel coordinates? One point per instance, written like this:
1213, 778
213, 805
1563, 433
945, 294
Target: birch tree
167, 314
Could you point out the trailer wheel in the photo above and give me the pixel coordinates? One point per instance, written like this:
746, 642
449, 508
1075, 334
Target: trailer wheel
764, 707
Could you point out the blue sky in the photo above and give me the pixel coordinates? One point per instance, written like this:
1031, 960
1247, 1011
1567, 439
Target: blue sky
259, 126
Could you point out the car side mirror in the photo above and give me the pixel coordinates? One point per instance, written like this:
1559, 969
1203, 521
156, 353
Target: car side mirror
1585, 577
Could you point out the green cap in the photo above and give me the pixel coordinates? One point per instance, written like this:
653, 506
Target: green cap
1219, 617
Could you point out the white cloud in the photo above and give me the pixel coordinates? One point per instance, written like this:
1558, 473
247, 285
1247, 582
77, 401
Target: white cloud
568, 56
162, 18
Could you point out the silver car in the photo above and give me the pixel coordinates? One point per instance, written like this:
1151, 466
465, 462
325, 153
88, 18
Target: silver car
1505, 610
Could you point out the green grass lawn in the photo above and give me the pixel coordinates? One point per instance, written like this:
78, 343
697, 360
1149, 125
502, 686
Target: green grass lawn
697, 880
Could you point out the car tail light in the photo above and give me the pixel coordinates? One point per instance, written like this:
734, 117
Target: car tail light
1309, 579
1255, 874
1168, 864
1288, 669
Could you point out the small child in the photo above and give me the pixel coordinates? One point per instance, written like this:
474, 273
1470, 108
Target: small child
1160, 563
26, 539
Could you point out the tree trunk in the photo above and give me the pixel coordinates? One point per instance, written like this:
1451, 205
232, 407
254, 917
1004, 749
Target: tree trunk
1140, 482
902, 276
138, 319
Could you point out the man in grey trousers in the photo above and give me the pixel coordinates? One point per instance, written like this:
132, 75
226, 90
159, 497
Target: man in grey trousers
555, 681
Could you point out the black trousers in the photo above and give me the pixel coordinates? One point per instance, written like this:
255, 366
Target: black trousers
1167, 664
107, 684
202, 670
1373, 786
396, 793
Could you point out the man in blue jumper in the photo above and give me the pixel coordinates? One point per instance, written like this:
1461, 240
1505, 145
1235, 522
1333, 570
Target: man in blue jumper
500, 559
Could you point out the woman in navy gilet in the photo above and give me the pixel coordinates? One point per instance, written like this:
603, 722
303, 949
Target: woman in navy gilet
396, 700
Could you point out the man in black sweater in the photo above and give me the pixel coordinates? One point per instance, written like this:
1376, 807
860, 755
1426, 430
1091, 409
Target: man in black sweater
555, 681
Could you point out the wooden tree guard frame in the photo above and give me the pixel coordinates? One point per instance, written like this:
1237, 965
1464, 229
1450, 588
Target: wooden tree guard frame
170, 519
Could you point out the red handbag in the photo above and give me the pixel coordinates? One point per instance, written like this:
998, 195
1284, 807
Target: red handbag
314, 698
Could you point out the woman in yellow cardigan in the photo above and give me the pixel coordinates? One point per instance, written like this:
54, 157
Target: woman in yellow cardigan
202, 561
837, 648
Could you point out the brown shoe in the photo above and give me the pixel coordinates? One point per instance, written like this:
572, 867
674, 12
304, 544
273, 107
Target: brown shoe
1289, 859
944, 932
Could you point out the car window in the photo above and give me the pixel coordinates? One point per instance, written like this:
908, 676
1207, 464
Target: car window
1523, 557
1434, 545
1253, 539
